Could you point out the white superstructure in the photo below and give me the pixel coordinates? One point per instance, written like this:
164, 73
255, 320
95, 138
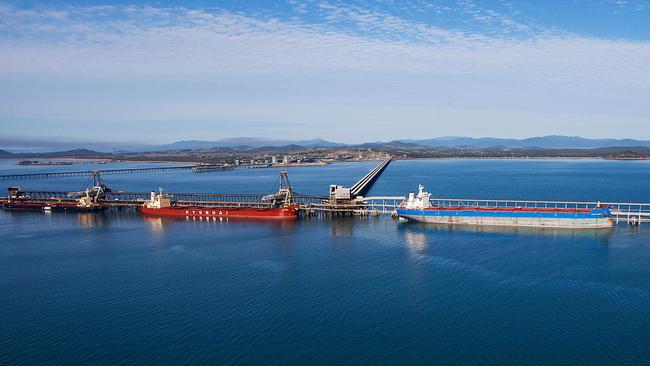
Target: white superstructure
419, 202
159, 200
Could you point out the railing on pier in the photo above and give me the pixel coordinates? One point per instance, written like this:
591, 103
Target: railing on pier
307, 200
383, 204
634, 213
501, 203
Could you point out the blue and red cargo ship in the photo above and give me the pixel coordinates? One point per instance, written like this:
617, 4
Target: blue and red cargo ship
419, 208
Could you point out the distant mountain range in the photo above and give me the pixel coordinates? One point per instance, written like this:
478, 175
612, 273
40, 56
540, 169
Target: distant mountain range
244, 143
77, 153
544, 142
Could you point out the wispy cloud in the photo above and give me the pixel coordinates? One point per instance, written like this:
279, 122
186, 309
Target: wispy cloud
322, 62
145, 41
628, 5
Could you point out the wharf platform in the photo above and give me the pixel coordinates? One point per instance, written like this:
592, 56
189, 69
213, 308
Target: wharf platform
311, 205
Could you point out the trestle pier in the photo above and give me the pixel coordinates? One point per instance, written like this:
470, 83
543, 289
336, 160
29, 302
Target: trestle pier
56, 174
351, 204
621, 212
201, 168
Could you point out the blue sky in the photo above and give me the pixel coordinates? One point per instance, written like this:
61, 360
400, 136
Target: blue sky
345, 71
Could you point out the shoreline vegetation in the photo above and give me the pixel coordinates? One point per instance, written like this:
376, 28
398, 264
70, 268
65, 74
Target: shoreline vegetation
304, 156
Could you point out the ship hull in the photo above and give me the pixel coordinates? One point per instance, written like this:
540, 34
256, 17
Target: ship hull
586, 219
44, 207
279, 213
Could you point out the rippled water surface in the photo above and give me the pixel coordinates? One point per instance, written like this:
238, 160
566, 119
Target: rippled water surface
115, 288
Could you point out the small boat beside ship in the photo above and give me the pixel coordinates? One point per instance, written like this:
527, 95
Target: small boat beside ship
419, 208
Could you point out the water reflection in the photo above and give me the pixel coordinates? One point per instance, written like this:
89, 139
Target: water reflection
160, 223
91, 219
155, 223
342, 226
416, 241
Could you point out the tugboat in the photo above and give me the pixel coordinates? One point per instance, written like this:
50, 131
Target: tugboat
419, 208
281, 207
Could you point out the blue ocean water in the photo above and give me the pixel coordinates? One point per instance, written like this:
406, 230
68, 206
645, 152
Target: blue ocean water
116, 288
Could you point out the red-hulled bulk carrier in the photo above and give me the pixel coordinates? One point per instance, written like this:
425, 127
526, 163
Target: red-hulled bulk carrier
160, 205
280, 207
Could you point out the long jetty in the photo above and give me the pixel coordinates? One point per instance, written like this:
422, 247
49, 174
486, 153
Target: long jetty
201, 168
56, 174
362, 186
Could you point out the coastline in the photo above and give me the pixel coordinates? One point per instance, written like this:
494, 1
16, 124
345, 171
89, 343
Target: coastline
104, 160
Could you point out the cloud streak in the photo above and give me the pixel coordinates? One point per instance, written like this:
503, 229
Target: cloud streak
318, 64
144, 41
